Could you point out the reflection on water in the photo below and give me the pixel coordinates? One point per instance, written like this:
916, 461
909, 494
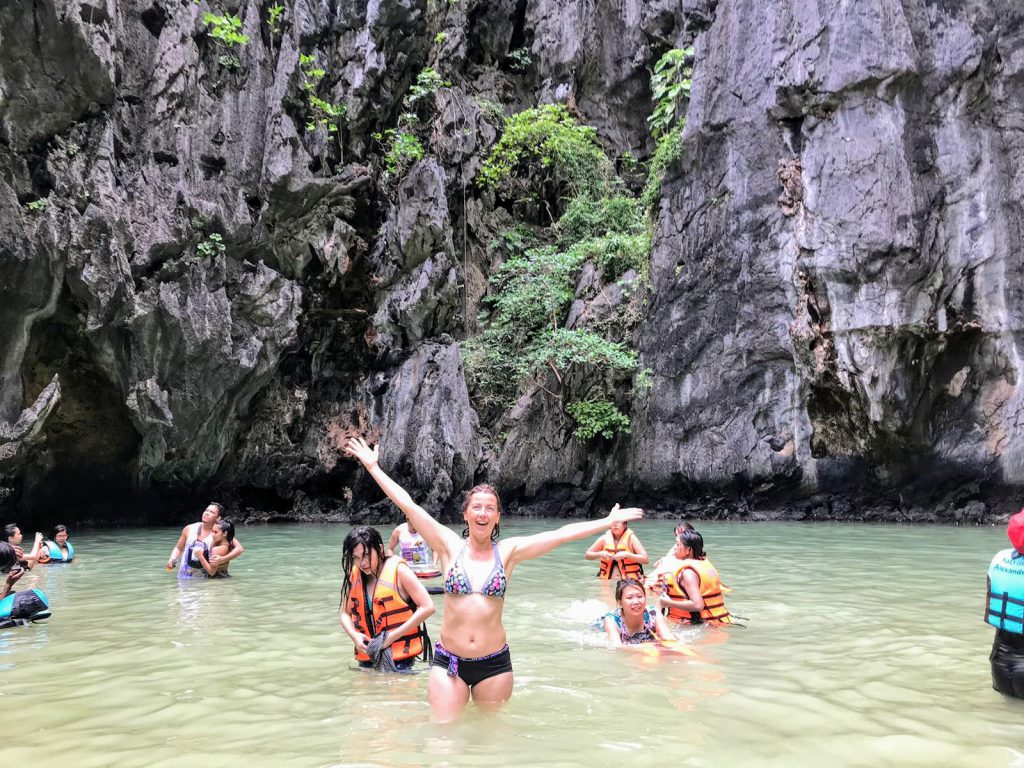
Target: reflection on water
864, 647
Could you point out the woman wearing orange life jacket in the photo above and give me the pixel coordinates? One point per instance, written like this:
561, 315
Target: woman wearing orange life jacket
621, 554
399, 603
692, 588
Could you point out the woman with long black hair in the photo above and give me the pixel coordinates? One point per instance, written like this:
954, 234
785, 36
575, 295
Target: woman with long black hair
382, 598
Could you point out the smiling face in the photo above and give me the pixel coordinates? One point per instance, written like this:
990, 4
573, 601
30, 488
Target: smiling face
61, 538
219, 534
16, 537
481, 514
617, 529
633, 601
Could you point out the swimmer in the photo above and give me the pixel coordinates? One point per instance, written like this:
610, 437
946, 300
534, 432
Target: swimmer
57, 549
1005, 612
201, 531
12, 535
10, 566
406, 541
472, 658
631, 623
400, 602
621, 554
223, 535
692, 590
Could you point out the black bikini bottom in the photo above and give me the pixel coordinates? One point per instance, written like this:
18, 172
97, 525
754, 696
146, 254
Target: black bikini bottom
473, 671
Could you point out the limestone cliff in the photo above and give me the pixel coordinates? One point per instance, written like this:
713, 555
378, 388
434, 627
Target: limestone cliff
201, 286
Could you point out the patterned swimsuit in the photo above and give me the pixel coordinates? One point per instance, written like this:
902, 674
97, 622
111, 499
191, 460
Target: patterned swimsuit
456, 581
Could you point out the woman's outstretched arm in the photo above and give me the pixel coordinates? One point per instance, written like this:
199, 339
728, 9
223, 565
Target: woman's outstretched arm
439, 537
529, 547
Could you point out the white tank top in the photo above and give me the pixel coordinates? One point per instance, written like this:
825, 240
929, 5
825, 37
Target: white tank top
415, 550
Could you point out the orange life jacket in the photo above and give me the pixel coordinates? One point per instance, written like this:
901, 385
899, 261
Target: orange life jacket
710, 589
389, 611
628, 568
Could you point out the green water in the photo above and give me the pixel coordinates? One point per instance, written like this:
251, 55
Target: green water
865, 647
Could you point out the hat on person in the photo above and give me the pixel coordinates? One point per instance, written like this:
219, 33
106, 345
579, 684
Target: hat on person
1015, 531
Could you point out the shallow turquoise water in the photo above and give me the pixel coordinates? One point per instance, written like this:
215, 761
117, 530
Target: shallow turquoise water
864, 647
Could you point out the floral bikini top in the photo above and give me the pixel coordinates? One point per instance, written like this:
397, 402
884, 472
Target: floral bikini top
456, 581
648, 634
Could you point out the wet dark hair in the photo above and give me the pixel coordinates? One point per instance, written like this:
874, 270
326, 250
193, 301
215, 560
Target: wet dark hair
482, 488
371, 541
623, 584
7, 557
219, 506
9, 530
682, 526
58, 529
694, 541
228, 527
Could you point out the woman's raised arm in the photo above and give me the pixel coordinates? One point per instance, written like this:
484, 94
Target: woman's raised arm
529, 547
440, 538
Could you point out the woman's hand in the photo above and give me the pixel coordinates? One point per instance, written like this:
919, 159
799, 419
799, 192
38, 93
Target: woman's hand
361, 640
627, 515
16, 573
357, 448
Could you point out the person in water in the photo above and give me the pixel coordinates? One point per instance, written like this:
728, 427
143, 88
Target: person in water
399, 603
621, 554
9, 566
223, 535
472, 658
632, 623
690, 586
12, 535
406, 541
57, 548
203, 532
1005, 612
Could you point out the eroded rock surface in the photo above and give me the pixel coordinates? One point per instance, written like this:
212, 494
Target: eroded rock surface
223, 287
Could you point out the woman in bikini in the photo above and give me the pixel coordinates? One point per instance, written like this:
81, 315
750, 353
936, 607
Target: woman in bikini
472, 657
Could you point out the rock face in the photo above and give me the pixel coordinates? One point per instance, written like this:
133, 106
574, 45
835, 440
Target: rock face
202, 287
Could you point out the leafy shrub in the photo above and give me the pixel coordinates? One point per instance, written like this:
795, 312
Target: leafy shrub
519, 60
401, 149
534, 290
587, 217
670, 84
274, 18
547, 141
322, 112
428, 81
668, 151
211, 245
225, 29
597, 417
492, 110
616, 252
38, 206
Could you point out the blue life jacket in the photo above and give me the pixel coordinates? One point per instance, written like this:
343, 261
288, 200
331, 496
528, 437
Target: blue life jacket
20, 608
1005, 609
57, 554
